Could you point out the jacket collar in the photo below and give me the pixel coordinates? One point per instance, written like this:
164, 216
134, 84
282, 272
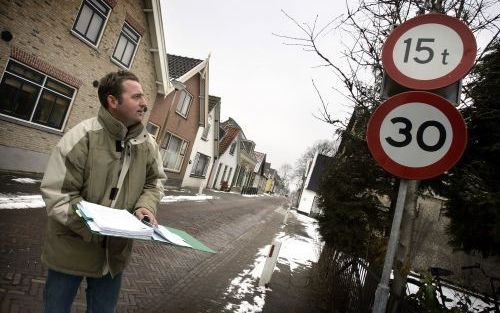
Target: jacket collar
116, 128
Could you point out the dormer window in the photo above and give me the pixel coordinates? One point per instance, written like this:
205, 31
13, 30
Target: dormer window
184, 101
233, 147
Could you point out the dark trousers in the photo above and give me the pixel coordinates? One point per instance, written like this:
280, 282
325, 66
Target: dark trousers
60, 291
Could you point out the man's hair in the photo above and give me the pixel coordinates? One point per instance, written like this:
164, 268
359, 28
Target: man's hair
112, 84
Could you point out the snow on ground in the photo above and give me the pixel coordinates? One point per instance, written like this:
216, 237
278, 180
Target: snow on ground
455, 297
187, 198
295, 251
26, 180
9, 201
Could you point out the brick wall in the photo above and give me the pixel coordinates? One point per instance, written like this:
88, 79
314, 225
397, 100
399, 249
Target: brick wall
185, 128
42, 31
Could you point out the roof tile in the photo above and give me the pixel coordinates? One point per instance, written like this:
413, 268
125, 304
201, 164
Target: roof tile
179, 65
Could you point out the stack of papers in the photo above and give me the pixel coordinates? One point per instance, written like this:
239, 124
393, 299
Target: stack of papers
107, 221
113, 222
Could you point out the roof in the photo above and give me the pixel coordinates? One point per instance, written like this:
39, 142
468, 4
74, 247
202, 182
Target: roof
260, 157
229, 136
179, 65
232, 123
212, 102
318, 171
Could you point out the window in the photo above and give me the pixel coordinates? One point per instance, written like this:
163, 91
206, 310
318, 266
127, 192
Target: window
34, 97
126, 46
205, 132
233, 147
229, 175
184, 102
200, 165
173, 149
90, 21
153, 129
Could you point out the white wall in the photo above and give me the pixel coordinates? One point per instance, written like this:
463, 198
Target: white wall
225, 159
205, 147
306, 201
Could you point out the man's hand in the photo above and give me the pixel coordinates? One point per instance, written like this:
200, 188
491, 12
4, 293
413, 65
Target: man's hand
141, 213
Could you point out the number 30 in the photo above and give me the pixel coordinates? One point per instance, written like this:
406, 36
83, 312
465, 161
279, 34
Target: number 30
406, 132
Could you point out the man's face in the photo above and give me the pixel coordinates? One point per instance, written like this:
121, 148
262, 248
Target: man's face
130, 110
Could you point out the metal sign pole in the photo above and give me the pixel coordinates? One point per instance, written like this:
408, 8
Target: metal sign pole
382, 292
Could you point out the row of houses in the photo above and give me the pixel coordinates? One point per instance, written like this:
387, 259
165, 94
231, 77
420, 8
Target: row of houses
52, 54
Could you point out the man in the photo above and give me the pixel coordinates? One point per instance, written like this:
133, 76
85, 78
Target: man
110, 160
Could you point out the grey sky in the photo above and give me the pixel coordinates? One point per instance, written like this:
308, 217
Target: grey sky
264, 85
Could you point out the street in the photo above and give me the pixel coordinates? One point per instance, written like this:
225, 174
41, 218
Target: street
160, 278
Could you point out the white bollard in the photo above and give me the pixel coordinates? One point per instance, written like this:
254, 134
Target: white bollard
285, 220
200, 190
270, 263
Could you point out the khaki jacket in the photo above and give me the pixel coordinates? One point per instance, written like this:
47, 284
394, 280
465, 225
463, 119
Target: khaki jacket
87, 164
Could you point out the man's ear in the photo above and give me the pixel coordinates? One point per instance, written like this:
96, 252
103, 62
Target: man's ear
112, 102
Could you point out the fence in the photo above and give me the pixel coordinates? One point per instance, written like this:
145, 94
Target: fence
347, 285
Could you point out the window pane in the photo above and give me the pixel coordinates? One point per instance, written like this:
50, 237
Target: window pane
25, 72
120, 47
95, 28
59, 112
172, 153
132, 34
84, 19
127, 56
17, 97
100, 6
165, 141
44, 108
152, 129
56, 86
185, 107
51, 110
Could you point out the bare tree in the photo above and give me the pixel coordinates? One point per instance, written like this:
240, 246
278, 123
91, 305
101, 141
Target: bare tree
325, 147
364, 29
285, 173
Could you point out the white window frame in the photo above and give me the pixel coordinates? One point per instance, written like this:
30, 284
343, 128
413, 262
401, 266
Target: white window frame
156, 128
180, 154
181, 104
96, 10
42, 87
195, 165
232, 148
129, 40
206, 130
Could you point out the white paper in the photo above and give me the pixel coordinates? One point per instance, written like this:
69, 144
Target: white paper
111, 221
163, 233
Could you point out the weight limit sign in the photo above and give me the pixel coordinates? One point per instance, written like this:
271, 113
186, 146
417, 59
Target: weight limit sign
429, 52
416, 135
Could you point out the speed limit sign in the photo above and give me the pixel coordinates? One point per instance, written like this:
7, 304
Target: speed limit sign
416, 135
429, 52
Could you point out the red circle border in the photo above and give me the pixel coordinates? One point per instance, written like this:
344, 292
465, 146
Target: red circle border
451, 157
462, 68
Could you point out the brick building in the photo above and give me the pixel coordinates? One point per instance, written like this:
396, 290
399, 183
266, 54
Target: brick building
175, 119
52, 53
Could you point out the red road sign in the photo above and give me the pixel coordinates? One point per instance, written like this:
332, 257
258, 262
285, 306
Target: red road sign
416, 135
429, 52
